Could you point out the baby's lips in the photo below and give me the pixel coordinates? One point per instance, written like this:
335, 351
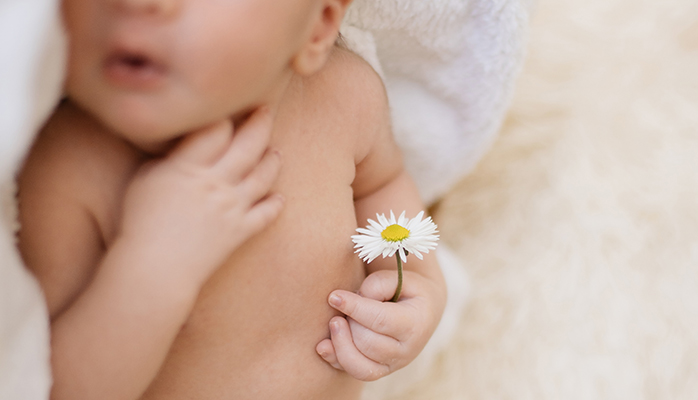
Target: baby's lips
134, 65
134, 71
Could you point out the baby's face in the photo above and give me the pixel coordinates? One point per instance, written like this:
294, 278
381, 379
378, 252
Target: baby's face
153, 69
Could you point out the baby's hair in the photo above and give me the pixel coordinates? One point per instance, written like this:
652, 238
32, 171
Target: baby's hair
340, 42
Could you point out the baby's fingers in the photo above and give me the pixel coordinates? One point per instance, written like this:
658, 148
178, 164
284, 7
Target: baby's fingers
257, 184
326, 350
248, 145
263, 213
205, 146
349, 357
384, 318
381, 285
379, 348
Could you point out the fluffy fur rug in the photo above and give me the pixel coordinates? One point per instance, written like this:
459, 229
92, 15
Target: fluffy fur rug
580, 228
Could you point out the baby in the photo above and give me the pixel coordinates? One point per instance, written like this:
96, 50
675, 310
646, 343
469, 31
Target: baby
179, 258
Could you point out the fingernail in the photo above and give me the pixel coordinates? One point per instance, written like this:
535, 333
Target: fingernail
335, 301
334, 327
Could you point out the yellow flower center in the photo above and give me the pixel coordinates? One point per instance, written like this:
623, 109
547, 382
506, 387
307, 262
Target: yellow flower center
395, 233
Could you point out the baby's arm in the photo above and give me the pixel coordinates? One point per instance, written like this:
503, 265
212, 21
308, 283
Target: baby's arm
181, 217
379, 337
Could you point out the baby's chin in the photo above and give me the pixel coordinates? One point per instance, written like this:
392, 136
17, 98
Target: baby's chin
146, 134
138, 122
150, 126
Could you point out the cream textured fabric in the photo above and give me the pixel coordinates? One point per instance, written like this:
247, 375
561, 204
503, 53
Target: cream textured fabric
579, 229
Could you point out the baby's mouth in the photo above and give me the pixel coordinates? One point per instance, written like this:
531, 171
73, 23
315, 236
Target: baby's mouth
134, 61
134, 70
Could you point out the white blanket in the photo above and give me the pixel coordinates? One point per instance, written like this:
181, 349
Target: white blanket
31, 67
448, 66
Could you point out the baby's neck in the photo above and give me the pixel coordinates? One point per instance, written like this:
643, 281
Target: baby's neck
273, 101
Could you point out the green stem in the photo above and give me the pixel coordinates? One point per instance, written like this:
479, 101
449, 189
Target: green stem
399, 279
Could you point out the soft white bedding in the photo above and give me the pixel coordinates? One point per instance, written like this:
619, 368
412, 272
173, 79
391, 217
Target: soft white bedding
31, 69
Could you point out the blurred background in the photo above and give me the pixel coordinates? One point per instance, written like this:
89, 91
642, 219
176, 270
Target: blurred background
579, 229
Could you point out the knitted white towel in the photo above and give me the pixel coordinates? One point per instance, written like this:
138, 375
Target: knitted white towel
449, 68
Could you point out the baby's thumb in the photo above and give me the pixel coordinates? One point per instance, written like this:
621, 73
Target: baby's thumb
205, 146
379, 286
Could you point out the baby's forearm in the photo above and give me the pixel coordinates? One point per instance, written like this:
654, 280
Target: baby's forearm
358, 343
399, 194
110, 343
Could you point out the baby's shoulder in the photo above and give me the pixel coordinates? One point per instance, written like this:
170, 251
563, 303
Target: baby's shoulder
354, 77
74, 158
73, 146
352, 90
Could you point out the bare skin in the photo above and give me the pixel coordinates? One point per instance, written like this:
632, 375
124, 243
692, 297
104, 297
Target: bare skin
251, 331
271, 294
149, 207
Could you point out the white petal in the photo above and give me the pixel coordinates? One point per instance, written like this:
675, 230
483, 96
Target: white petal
369, 243
386, 252
403, 256
416, 221
375, 225
402, 221
367, 232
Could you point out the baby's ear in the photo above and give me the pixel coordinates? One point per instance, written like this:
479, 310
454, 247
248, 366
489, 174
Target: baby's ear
313, 55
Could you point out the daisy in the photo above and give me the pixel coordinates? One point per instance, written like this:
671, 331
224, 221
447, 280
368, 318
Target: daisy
389, 236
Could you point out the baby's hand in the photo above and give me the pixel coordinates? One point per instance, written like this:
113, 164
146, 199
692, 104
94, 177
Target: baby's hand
379, 337
187, 212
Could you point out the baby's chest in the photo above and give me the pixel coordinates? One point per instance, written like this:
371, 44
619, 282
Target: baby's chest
278, 282
307, 251
265, 309
319, 210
